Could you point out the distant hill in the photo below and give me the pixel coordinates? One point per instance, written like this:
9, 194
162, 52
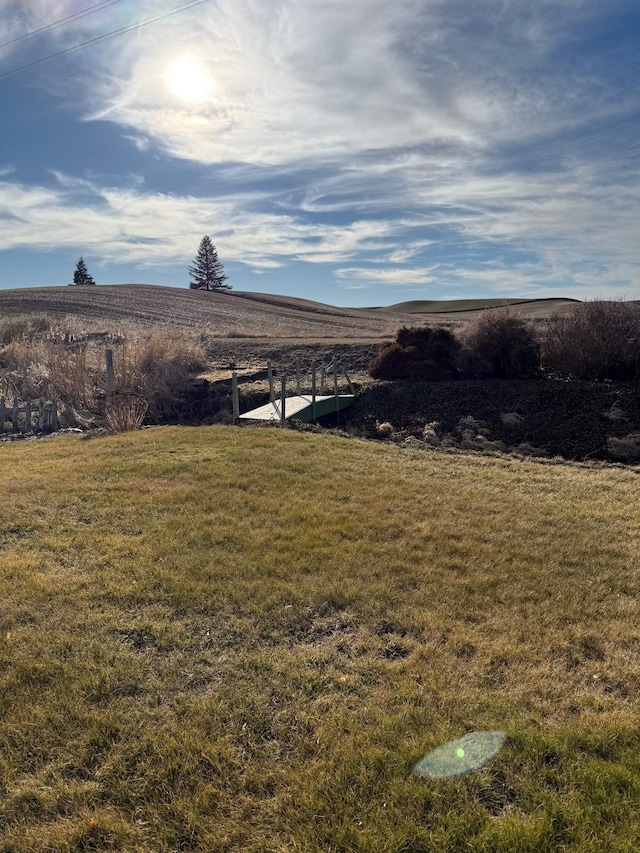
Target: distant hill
527, 307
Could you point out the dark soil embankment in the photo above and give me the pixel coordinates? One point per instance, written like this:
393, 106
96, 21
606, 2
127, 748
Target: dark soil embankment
575, 420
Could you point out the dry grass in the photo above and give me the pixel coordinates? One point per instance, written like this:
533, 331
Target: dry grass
66, 362
125, 412
242, 640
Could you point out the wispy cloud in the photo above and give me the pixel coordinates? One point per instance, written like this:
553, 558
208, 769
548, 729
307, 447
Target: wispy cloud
390, 275
152, 228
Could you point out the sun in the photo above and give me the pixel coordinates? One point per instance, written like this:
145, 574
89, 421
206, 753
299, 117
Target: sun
189, 80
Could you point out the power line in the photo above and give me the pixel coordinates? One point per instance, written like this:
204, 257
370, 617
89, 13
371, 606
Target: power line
56, 24
113, 34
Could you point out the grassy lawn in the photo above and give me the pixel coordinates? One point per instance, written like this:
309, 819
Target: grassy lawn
218, 639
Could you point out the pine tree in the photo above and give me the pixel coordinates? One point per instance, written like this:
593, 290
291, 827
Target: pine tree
81, 274
207, 273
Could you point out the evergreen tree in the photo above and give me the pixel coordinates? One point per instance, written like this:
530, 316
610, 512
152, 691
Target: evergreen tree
81, 274
207, 273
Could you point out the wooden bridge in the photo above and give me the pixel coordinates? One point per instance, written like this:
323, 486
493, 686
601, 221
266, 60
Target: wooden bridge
300, 406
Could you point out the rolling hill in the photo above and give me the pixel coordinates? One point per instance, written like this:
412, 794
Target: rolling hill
241, 314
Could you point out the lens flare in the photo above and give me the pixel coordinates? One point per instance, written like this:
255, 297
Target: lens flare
460, 756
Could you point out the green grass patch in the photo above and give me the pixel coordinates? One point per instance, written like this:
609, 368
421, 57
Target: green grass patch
223, 639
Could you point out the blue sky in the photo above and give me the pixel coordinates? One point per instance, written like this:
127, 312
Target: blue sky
358, 153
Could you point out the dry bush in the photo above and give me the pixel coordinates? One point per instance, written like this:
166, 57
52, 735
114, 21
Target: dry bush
626, 448
12, 355
511, 419
417, 353
597, 341
157, 368
385, 429
125, 412
69, 377
24, 326
499, 343
431, 434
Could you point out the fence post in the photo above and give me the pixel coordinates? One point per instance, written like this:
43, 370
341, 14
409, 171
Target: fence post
335, 384
235, 396
321, 379
350, 384
28, 414
313, 390
283, 397
15, 414
3, 414
298, 376
272, 395
54, 414
109, 359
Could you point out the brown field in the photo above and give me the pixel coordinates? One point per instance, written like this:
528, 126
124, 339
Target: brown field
240, 315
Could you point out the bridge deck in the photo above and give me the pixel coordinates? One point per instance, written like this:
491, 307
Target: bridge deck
300, 407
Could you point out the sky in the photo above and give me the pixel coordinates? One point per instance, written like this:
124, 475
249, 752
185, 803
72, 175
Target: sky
354, 152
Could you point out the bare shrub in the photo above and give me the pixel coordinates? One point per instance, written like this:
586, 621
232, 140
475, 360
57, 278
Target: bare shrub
417, 353
68, 373
499, 343
625, 448
24, 326
385, 429
615, 414
12, 355
125, 412
598, 340
158, 368
511, 419
430, 434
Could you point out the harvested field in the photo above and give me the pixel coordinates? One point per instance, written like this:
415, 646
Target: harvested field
236, 314
259, 317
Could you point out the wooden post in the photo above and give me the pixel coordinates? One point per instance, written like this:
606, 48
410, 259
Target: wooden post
15, 414
272, 395
283, 397
321, 379
28, 414
313, 390
235, 396
3, 414
335, 382
109, 359
54, 414
350, 384
298, 376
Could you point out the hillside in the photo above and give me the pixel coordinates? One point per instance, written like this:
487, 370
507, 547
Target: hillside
240, 314
235, 314
464, 308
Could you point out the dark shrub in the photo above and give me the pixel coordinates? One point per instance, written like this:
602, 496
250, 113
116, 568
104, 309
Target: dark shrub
499, 344
598, 340
417, 353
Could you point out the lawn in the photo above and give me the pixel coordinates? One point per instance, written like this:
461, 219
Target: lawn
223, 639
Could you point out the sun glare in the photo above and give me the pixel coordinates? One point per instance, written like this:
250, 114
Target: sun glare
189, 80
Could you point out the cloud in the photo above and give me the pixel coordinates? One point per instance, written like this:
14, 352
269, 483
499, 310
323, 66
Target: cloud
390, 275
130, 225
